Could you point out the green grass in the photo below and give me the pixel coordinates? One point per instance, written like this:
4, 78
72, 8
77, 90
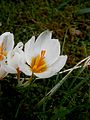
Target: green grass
72, 100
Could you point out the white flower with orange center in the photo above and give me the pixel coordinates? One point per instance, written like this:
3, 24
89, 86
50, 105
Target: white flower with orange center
42, 56
6, 45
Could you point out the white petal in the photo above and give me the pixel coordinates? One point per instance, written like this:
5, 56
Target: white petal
30, 43
46, 35
29, 49
18, 47
8, 40
59, 64
45, 74
3, 73
33, 48
22, 61
52, 48
25, 69
10, 69
2, 37
13, 60
54, 68
40, 42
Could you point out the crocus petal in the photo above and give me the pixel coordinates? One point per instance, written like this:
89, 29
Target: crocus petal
3, 73
2, 37
8, 40
52, 48
53, 69
13, 59
59, 64
25, 69
33, 48
18, 47
10, 69
42, 39
46, 35
29, 49
29, 45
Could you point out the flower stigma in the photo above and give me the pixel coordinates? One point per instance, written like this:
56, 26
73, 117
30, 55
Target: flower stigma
38, 64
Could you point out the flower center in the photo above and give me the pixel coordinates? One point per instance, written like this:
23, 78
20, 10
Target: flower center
3, 53
38, 64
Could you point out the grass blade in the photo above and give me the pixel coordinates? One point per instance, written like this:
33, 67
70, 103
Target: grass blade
83, 11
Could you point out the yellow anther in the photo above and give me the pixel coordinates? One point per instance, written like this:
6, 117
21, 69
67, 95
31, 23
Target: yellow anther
38, 64
3, 53
43, 53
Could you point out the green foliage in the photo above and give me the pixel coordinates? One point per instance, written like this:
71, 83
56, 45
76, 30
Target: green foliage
60, 113
62, 5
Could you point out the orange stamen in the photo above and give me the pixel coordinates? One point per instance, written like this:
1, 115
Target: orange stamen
3, 53
38, 64
43, 53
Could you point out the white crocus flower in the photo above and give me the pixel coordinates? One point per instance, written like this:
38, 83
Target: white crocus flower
13, 59
6, 45
43, 57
